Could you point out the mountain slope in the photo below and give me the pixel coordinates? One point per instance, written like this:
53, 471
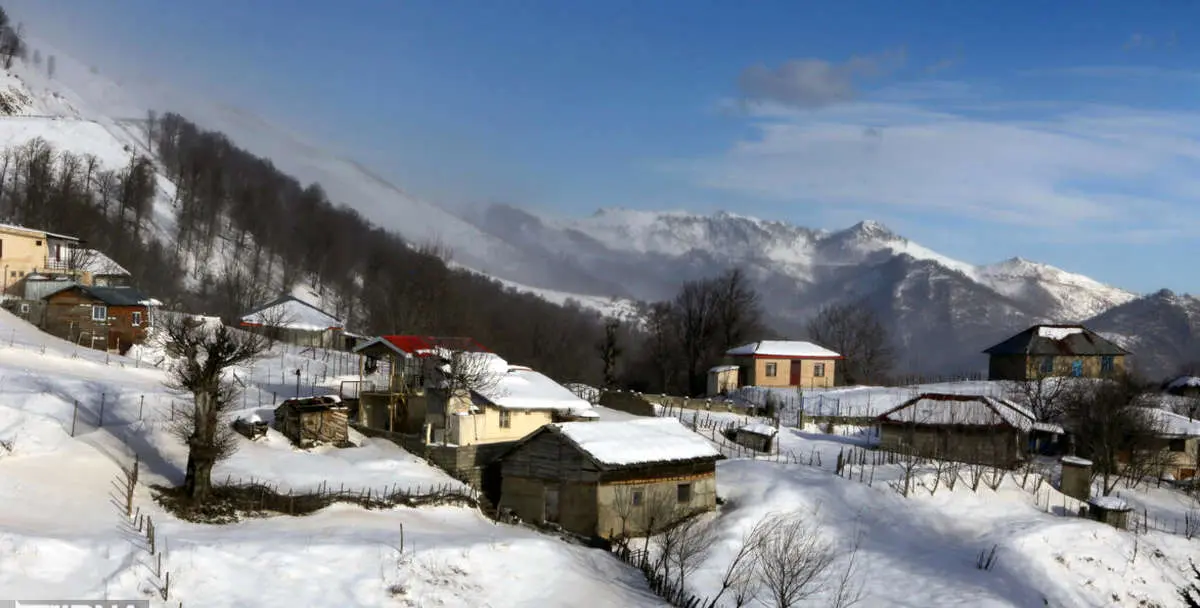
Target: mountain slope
1161, 330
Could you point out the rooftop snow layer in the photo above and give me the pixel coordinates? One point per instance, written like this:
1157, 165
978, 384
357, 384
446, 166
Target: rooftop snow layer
723, 368
1172, 424
521, 388
1077, 461
1058, 333
631, 442
759, 429
292, 313
1184, 382
1112, 503
783, 348
967, 410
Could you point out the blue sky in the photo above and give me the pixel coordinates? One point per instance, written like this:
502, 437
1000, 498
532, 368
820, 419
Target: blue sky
1066, 133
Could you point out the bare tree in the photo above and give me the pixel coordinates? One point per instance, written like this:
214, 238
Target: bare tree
463, 373
854, 331
1042, 393
610, 350
693, 542
1108, 425
741, 575
793, 559
204, 353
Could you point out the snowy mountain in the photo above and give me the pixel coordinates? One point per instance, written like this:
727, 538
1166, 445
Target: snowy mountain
1162, 330
943, 311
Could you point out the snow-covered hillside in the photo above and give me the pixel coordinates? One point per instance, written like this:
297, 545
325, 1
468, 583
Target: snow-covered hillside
71, 420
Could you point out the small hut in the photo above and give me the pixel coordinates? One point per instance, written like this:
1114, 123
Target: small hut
757, 436
251, 428
1076, 477
1111, 510
311, 420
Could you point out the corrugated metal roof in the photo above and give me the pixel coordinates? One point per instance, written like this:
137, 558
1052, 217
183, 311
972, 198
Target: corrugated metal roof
1071, 340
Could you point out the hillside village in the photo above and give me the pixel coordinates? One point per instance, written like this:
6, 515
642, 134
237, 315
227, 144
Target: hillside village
212, 414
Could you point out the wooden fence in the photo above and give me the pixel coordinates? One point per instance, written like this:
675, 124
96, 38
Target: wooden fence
663, 587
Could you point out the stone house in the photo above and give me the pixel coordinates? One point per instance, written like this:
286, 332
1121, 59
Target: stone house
294, 321
1044, 351
781, 363
308, 421
964, 428
610, 479
105, 318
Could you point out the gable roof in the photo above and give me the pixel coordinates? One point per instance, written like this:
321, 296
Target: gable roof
783, 348
1054, 340
1170, 424
421, 346
42, 233
964, 410
111, 296
629, 443
518, 387
290, 312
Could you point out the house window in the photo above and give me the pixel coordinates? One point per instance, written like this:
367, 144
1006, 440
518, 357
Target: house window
24, 308
638, 497
1107, 364
772, 368
818, 370
505, 419
1177, 445
137, 318
1077, 368
37, 243
99, 312
683, 492
1047, 365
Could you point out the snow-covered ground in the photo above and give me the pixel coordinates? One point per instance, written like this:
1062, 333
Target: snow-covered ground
63, 531
861, 401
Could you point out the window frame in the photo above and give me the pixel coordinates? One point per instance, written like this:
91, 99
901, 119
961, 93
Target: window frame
135, 318
1180, 443
102, 309
1108, 364
637, 497
819, 370
1077, 368
683, 493
505, 419
771, 369
1046, 366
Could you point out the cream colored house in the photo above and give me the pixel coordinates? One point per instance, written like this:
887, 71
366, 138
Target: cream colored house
26, 251
782, 363
1179, 444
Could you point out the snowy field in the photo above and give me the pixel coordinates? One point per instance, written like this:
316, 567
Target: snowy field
63, 530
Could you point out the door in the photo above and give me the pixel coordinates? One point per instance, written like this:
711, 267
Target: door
797, 373
551, 508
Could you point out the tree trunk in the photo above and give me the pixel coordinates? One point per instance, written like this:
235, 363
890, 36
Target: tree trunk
202, 452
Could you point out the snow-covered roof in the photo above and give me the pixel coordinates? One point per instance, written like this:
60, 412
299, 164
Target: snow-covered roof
1077, 461
722, 368
634, 442
783, 348
759, 428
96, 262
291, 313
1052, 332
1184, 382
1171, 424
963, 410
519, 387
36, 232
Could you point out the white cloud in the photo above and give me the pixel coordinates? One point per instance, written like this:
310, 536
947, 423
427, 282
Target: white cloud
811, 83
1118, 171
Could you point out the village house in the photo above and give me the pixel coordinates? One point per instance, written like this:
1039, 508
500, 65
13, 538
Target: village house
25, 251
1183, 386
104, 318
777, 363
308, 421
964, 428
1044, 351
1178, 445
294, 321
610, 479
422, 401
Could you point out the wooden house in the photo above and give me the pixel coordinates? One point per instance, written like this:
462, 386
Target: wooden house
308, 421
294, 321
964, 428
610, 479
105, 318
781, 363
1044, 351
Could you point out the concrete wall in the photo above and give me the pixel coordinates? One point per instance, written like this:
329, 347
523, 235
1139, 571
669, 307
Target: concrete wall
631, 403
722, 381
757, 368
616, 511
527, 498
484, 427
1020, 367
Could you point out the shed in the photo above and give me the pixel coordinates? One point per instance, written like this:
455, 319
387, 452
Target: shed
610, 479
756, 436
1111, 510
311, 420
722, 379
966, 428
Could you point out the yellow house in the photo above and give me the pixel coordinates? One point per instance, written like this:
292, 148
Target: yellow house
26, 251
782, 363
1045, 351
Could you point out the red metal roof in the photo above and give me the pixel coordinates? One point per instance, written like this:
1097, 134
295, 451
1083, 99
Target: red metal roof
419, 345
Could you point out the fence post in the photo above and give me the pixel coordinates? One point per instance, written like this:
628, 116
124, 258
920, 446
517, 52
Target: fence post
141, 407
103, 398
74, 417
